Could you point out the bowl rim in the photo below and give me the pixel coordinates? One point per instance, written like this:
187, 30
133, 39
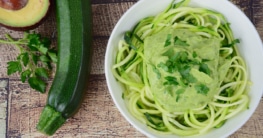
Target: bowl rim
108, 53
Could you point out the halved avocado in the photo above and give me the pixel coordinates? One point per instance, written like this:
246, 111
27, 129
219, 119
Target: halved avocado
31, 12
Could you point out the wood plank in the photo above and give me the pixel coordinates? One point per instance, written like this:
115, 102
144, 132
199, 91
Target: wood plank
24, 108
111, 1
257, 9
3, 106
253, 127
105, 17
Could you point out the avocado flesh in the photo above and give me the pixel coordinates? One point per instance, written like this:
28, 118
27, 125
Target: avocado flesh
32, 13
182, 97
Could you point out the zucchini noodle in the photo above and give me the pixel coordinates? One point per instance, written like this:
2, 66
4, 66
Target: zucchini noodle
130, 69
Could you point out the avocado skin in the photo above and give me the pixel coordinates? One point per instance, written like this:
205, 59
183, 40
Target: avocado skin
50, 9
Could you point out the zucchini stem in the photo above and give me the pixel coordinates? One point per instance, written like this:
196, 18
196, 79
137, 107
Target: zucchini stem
50, 120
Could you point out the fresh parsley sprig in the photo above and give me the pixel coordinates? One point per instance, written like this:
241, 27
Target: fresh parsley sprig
33, 63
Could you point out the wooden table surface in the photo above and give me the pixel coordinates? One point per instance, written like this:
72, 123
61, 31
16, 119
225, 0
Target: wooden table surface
20, 106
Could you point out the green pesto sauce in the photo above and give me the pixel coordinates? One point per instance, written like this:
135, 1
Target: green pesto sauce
183, 68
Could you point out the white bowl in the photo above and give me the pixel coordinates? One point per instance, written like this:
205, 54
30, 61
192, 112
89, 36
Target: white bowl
250, 49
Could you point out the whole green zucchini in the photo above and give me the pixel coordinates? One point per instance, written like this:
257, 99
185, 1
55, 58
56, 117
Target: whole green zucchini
74, 28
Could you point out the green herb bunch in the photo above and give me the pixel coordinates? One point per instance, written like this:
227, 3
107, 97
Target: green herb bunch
34, 60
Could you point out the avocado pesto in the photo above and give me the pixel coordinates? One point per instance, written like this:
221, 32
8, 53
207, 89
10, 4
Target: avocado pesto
185, 71
181, 71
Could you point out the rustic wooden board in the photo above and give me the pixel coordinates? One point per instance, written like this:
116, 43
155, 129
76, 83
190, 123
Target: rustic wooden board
20, 106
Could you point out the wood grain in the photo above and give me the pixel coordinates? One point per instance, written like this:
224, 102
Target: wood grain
20, 106
3, 106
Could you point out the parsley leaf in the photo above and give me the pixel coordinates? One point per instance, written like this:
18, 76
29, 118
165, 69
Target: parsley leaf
25, 59
34, 58
37, 84
25, 75
43, 49
13, 67
53, 56
42, 72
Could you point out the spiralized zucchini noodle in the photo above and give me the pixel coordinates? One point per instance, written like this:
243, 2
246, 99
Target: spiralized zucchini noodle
130, 69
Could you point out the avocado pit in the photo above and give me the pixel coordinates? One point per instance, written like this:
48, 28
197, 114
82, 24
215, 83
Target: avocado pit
23, 14
13, 4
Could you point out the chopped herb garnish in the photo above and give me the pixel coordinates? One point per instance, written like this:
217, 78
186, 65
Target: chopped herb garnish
178, 41
183, 57
170, 80
204, 68
127, 38
169, 90
163, 66
148, 117
227, 92
194, 54
168, 40
201, 89
178, 61
138, 38
178, 93
122, 95
234, 42
187, 77
158, 74
169, 53
156, 121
